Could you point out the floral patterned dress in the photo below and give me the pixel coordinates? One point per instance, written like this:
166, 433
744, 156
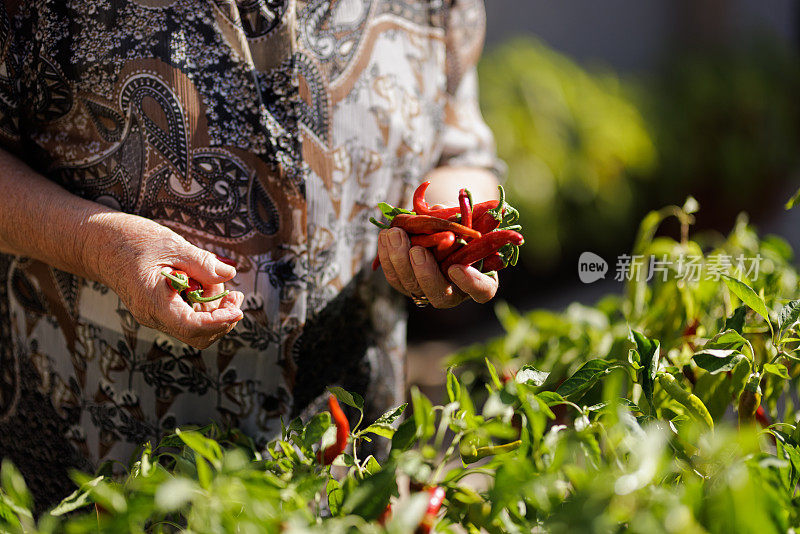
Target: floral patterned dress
263, 130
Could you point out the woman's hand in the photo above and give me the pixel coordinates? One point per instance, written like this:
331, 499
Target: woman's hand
132, 252
414, 271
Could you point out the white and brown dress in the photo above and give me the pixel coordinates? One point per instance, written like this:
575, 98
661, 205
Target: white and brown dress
263, 130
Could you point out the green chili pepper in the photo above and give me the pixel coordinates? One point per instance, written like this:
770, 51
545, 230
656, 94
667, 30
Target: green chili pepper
739, 376
693, 405
471, 454
750, 400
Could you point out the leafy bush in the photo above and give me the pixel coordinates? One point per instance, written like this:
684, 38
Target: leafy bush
616, 417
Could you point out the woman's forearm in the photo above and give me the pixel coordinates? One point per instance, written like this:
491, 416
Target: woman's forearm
447, 181
41, 220
126, 252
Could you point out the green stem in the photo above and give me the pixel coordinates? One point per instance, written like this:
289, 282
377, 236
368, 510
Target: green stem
379, 224
183, 283
196, 296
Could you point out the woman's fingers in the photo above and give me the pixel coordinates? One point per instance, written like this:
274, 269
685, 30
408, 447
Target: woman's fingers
202, 265
480, 287
386, 264
440, 292
414, 271
398, 247
201, 328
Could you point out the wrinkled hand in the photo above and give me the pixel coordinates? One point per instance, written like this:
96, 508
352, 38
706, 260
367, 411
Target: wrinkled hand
414, 271
131, 265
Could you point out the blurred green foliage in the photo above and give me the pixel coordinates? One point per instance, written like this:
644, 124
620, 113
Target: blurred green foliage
571, 140
726, 124
588, 153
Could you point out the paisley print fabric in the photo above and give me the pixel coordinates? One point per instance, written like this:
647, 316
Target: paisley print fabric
263, 130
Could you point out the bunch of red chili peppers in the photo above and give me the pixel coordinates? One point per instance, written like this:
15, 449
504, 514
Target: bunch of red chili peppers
463, 235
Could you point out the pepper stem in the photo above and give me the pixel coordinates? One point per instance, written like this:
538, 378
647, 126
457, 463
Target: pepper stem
197, 296
497, 212
178, 282
379, 224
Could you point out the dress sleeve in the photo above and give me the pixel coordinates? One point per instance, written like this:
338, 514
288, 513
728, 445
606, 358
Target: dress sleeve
10, 94
465, 138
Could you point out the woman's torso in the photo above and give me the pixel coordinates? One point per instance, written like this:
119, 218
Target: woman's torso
263, 130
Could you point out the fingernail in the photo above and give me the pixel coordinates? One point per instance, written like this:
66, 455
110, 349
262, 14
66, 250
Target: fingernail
395, 238
417, 256
224, 270
456, 273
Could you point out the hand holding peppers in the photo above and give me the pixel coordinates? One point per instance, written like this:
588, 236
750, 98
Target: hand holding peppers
429, 252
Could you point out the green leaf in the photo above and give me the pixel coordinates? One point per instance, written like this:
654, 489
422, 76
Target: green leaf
315, 428
371, 465
728, 339
585, 377
777, 369
717, 360
405, 435
423, 414
77, 499
794, 201
789, 315
647, 229
371, 496
528, 374
351, 399
747, 296
649, 354
14, 485
493, 374
335, 496
390, 212
453, 387
551, 398
736, 321
205, 447
383, 425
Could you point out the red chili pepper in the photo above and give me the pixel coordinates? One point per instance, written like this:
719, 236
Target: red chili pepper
478, 209
486, 217
426, 224
342, 433
420, 206
441, 240
465, 206
495, 262
762, 417
442, 255
227, 261
480, 248
385, 515
508, 376
434, 503
376, 262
